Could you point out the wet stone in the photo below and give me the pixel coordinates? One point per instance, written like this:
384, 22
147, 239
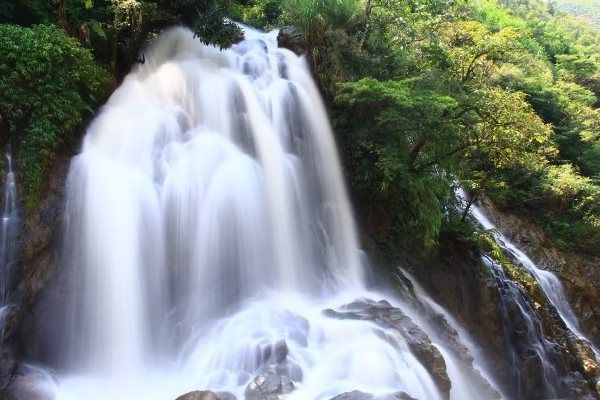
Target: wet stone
354, 395
199, 395
268, 386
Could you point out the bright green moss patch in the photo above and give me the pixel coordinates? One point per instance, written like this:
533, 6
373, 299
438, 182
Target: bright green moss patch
49, 82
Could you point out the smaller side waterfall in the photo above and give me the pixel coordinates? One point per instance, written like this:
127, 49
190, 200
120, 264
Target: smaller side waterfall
467, 366
8, 236
548, 281
515, 302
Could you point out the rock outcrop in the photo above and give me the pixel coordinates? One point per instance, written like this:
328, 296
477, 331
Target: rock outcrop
206, 395
579, 274
291, 38
469, 291
39, 253
358, 395
268, 385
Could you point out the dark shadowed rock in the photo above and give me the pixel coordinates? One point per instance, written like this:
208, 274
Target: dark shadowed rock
291, 38
268, 386
358, 395
226, 396
199, 395
7, 366
397, 396
353, 395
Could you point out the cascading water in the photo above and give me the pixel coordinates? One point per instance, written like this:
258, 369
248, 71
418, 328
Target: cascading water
8, 238
515, 302
548, 281
431, 311
208, 227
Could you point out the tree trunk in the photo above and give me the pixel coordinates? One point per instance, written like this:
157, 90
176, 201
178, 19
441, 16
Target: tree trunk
470, 202
63, 22
368, 11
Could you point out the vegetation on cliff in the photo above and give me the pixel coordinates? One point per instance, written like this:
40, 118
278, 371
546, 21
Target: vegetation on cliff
501, 95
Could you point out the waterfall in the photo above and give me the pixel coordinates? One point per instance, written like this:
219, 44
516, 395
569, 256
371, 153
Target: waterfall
513, 299
548, 281
8, 238
209, 238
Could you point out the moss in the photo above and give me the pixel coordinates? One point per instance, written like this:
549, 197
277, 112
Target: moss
514, 272
49, 84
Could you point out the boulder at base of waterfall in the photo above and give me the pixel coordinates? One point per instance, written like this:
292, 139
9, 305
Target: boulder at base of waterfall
358, 395
386, 316
268, 386
200, 395
353, 395
397, 396
226, 396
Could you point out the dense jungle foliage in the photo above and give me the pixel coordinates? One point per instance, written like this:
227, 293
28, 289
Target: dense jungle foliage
499, 95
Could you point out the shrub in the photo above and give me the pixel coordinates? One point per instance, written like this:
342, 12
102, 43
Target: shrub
48, 84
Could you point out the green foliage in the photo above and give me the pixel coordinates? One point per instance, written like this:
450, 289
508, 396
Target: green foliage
499, 95
265, 14
49, 83
26, 12
330, 31
585, 9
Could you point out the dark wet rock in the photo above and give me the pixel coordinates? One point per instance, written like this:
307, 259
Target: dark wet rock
358, 395
474, 296
7, 366
291, 38
38, 258
388, 317
398, 396
586, 362
268, 386
199, 395
226, 396
207, 395
578, 272
354, 395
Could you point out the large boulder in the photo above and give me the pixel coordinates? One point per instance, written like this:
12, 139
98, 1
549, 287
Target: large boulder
358, 395
199, 395
268, 385
353, 395
206, 395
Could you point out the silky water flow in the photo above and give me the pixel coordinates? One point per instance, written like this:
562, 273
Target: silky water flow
207, 226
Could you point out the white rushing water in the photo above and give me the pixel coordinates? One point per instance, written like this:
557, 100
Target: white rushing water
8, 230
8, 241
207, 224
548, 281
461, 388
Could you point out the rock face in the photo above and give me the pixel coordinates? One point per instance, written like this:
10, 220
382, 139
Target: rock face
354, 395
291, 38
39, 247
580, 274
468, 290
268, 386
206, 395
358, 395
